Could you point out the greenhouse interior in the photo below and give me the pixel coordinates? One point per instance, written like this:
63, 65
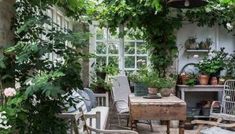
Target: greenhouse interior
117, 66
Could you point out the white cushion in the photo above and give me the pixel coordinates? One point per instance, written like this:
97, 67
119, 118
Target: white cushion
77, 98
104, 111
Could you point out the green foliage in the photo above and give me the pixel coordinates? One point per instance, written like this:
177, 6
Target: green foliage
146, 16
152, 79
216, 12
15, 113
158, 23
110, 69
214, 63
45, 82
192, 79
230, 66
100, 84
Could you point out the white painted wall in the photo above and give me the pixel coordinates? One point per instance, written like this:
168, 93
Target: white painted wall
219, 35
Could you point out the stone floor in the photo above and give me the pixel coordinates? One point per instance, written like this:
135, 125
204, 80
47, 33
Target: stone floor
145, 129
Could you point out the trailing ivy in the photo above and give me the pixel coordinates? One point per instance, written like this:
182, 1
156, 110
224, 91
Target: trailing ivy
159, 23
220, 12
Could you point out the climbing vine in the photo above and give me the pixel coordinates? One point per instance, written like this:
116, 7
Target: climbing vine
158, 22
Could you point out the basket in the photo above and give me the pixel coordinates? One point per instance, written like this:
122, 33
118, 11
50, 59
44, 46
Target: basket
184, 78
140, 89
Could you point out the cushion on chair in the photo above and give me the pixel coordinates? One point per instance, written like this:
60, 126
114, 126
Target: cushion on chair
91, 96
86, 99
76, 98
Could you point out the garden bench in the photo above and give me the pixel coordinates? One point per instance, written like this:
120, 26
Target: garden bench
96, 118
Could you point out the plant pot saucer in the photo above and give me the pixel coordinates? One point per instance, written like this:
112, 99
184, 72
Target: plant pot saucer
152, 97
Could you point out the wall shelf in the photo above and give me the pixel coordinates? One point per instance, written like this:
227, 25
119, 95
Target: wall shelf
197, 50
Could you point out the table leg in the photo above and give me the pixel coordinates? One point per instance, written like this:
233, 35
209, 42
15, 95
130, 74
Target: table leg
182, 94
134, 125
181, 127
168, 127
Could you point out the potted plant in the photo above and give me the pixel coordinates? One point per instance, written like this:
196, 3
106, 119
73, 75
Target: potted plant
191, 43
165, 85
152, 80
100, 86
192, 80
102, 70
211, 65
138, 80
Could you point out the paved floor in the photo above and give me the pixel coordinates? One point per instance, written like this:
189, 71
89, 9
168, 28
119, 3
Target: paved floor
145, 129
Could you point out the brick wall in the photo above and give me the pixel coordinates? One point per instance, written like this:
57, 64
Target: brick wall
6, 14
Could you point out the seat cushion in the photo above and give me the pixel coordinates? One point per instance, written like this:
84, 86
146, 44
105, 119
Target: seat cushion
77, 102
86, 99
104, 111
91, 96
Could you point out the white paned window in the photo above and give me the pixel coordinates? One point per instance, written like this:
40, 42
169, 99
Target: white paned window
136, 56
63, 23
106, 47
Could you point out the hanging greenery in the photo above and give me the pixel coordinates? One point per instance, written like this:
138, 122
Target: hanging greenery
159, 23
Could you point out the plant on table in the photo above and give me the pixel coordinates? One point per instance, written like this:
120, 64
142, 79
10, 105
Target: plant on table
191, 80
165, 85
139, 81
211, 65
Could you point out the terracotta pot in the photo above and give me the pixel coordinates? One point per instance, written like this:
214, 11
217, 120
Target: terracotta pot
203, 79
213, 81
165, 92
184, 78
152, 91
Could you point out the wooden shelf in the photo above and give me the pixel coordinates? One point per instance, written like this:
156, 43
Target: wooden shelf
197, 50
199, 116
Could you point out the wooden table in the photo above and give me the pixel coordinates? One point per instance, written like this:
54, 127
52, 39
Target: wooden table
166, 109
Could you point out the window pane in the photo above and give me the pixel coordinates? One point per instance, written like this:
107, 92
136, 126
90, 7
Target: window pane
129, 72
113, 61
130, 62
100, 48
129, 48
141, 48
100, 33
100, 60
59, 20
113, 48
141, 61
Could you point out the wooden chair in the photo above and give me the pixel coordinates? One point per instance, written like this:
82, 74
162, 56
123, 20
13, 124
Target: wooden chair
225, 118
78, 122
120, 92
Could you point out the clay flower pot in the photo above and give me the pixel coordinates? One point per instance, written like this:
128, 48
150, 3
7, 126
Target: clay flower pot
184, 79
152, 91
165, 92
213, 81
203, 79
